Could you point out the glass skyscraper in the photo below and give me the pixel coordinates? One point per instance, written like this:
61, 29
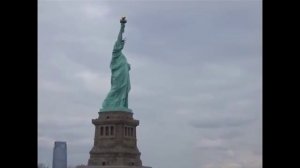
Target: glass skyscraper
59, 155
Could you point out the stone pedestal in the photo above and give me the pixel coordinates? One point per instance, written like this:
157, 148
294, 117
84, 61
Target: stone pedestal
115, 143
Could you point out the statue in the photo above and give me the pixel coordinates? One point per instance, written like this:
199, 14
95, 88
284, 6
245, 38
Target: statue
117, 98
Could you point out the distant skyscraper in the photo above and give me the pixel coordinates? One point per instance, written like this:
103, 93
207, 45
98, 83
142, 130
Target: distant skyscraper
59, 155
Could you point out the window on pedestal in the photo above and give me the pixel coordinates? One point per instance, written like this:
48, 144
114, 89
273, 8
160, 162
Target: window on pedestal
131, 131
112, 130
106, 130
101, 131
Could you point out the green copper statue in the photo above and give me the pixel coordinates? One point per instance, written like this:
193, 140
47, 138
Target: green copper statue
117, 98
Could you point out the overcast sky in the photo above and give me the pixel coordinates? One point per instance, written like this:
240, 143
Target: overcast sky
196, 77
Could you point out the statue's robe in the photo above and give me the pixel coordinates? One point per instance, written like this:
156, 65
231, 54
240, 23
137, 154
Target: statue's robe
120, 81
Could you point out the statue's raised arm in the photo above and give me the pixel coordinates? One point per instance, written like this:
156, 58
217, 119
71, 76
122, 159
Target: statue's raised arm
119, 45
122, 21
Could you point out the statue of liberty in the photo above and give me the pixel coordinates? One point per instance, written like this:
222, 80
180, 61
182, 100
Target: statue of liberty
117, 98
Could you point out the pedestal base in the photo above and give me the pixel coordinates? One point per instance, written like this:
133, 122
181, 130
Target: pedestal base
115, 143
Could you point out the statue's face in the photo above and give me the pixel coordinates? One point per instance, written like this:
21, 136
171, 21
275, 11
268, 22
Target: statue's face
122, 44
119, 46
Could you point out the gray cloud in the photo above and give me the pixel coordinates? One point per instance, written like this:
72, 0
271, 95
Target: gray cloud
196, 78
221, 122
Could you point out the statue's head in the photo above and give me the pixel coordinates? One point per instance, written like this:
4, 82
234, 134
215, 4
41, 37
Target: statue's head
120, 45
123, 42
